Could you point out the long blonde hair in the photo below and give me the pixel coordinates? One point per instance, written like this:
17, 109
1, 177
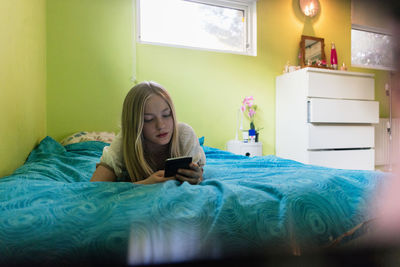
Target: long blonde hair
132, 129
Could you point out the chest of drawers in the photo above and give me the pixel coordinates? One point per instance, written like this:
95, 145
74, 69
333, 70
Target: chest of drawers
324, 117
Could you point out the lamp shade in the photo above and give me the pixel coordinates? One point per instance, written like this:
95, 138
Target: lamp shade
310, 8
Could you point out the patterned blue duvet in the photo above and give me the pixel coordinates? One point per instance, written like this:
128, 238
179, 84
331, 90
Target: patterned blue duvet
50, 212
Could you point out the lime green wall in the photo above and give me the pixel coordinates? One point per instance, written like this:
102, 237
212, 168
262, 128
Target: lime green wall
90, 66
22, 80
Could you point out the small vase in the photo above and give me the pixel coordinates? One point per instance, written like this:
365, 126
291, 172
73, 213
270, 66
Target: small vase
252, 135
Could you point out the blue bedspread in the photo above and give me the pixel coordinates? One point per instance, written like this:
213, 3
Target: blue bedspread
49, 211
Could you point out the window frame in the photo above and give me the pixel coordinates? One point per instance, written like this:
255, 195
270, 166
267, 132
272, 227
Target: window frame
250, 15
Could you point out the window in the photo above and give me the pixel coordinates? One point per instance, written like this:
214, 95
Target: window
371, 50
217, 25
371, 39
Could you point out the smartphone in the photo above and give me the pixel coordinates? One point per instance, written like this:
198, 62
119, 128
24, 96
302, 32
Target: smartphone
173, 164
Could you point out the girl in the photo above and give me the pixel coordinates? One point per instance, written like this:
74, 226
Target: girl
149, 135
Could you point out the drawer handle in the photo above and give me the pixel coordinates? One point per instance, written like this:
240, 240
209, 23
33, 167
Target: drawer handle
340, 149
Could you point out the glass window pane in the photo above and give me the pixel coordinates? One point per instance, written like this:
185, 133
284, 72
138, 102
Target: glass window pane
185, 23
371, 50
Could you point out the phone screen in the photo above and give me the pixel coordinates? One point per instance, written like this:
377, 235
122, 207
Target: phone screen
173, 164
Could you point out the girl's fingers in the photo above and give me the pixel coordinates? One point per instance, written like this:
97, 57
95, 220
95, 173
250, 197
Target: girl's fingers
186, 179
189, 173
195, 167
192, 175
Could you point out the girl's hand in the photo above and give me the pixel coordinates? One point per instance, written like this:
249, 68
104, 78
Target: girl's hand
194, 175
157, 177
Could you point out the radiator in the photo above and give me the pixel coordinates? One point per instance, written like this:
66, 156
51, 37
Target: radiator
386, 151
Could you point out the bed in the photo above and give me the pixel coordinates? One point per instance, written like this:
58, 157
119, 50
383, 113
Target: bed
51, 213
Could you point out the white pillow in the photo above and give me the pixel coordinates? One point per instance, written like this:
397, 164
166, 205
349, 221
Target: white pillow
106, 137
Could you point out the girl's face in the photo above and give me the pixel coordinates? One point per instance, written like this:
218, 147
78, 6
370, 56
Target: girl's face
158, 124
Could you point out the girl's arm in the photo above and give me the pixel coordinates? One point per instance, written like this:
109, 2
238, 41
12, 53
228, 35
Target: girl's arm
103, 174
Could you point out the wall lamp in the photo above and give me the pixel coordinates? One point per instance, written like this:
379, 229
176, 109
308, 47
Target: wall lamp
310, 8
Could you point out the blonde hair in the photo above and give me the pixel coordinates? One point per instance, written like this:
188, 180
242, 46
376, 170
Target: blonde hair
132, 129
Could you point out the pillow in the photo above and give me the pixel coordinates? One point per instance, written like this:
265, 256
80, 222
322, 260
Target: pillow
106, 137
201, 140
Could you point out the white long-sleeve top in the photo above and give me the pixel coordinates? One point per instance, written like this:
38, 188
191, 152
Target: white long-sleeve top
188, 144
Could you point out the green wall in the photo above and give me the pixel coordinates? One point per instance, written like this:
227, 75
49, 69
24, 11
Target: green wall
22, 80
90, 67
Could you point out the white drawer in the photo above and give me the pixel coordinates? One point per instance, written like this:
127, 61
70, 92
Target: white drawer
323, 110
330, 85
340, 136
362, 159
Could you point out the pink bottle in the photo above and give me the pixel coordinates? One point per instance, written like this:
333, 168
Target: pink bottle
334, 62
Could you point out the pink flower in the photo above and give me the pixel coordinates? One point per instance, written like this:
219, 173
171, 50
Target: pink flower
248, 101
251, 113
249, 108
